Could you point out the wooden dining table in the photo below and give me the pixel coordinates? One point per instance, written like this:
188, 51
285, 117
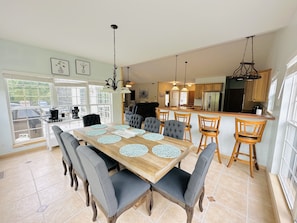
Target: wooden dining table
148, 166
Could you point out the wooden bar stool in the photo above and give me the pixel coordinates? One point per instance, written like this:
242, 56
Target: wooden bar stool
185, 118
249, 132
209, 127
162, 116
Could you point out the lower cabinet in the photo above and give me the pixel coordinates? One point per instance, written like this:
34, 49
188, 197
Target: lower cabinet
66, 125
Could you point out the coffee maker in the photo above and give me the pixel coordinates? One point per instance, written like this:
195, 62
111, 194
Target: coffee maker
75, 113
54, 114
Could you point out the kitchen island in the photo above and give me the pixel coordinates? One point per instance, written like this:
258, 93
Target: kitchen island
227, 129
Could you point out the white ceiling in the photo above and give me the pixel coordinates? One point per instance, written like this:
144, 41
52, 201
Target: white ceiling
208, 34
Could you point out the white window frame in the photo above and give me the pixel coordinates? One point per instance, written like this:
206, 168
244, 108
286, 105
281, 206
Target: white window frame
288, 166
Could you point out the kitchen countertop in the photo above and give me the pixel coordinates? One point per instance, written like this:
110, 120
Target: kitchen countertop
197, 109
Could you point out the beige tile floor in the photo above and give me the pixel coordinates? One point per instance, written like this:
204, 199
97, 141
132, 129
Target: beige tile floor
34, 189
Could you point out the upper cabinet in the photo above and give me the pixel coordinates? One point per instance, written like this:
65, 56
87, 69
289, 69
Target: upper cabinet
200, 88
257, 90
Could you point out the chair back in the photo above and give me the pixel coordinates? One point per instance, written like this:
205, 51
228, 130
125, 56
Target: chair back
249, 130
57, 131
209, 124
152, 124
174, 129
183, 117
196, 182
162, 116
136, 121
91, 119
71, 144
100, 183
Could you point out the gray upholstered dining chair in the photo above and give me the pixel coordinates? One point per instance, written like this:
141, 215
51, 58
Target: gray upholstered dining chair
185, 189
91, 119
152, 124
113, 194
71, 144
136, 121
174, 129
66, 161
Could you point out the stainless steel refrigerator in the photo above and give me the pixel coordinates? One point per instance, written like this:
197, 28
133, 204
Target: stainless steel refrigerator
212, 101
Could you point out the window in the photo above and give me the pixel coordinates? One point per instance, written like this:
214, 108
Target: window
183, 98
288, 167
271, 96
100, 103
29, 101
69, 97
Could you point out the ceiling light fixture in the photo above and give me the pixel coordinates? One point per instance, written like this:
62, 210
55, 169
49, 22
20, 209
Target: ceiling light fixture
111, 84
175, 88
246, 70
185, 88
128, 82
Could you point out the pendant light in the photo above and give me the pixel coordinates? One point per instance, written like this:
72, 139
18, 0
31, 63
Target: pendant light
185, 88
111, 84
246, 70
128, 82
175, 88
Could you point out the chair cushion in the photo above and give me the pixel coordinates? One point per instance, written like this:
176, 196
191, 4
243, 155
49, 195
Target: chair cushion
128, 188
174, 184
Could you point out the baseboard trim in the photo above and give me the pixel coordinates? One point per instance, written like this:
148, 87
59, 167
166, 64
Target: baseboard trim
281, 210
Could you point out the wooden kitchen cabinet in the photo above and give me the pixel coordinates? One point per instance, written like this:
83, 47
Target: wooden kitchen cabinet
217, 87
199, 88
257, 90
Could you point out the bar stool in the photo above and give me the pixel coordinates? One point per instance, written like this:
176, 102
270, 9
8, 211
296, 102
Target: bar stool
209, 127
162, 116
185, 118
249, 132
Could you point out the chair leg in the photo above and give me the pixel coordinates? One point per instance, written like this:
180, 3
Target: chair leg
234, 154
201, 199
255, 157
71, 175
149, 198
75, 180
189, 211
218, 150
200, 144
251, 160
86, 189
94, 209
65, 167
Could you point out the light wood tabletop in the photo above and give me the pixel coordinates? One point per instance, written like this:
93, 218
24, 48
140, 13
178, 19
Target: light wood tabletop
148, 166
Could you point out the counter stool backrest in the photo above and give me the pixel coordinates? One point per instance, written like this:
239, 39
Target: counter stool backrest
249, 130
208, 123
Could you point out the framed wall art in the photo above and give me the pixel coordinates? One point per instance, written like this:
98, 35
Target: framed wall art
59, 66
82, 67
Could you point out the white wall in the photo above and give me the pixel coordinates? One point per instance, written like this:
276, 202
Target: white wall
34, 60
282, 51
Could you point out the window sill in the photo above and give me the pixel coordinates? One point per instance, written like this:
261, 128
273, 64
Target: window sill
27, 143
281, 210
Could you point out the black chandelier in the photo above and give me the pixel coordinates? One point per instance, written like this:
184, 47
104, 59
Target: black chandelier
246, 70
111, 84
